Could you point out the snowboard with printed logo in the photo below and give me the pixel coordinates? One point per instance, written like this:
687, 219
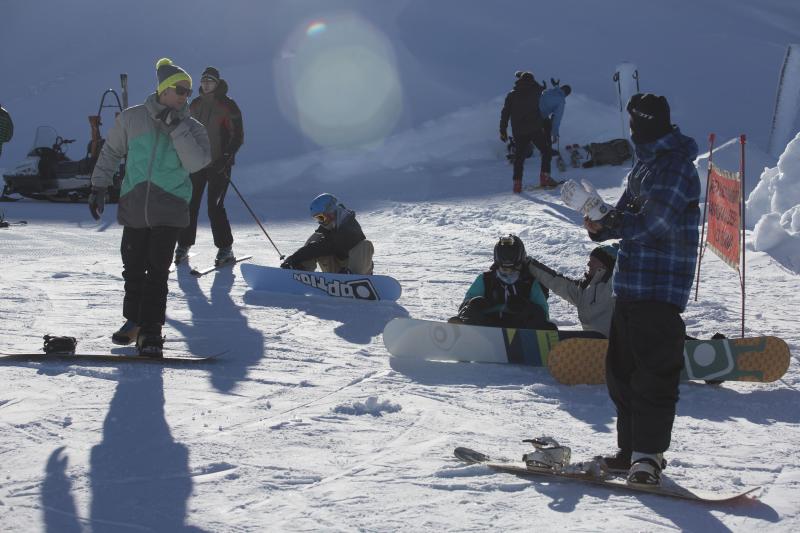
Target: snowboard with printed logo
759, 359
338, 286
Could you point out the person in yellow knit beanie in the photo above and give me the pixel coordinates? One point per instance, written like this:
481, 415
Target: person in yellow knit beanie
163, 145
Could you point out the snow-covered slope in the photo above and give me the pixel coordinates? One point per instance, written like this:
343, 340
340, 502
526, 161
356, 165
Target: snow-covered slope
306, 423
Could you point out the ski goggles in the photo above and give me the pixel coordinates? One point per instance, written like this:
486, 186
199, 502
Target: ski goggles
323, 218
506, 241
180, 90
507, 269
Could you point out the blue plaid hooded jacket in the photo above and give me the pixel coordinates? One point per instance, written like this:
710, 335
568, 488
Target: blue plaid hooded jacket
657, 220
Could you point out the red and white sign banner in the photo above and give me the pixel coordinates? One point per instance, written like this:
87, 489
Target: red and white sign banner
724, 199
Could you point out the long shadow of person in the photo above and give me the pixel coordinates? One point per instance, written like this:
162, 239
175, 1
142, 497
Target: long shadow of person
218, 324
139, 475
58, 504
358, 321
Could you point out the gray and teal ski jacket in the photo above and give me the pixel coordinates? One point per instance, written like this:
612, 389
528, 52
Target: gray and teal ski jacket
156, 189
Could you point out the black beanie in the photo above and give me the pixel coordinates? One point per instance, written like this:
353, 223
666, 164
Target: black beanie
524, 75
606, 254
649, 117
210, 72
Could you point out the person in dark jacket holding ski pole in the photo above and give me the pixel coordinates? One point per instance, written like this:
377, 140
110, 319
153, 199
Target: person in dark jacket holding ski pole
521, 108
338, 245
223, 120
164, 144
657, 220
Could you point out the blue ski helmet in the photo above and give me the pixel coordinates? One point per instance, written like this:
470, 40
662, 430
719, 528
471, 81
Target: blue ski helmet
322, 204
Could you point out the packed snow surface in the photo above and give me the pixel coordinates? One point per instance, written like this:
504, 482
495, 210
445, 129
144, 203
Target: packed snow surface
305, 423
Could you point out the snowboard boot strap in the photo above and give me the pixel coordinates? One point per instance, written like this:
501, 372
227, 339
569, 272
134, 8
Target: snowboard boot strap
644, 472
549, 455
54, 344
150, 343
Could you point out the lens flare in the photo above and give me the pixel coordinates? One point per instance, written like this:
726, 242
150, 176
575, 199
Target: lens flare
337, 81
315, 28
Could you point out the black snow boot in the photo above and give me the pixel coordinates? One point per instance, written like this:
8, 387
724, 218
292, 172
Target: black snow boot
150, 343
126, 334
619, 463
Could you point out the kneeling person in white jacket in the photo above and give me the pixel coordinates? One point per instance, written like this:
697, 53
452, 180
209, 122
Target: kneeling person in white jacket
592, 294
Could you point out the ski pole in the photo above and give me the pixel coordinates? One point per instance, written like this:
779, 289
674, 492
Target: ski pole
236, 189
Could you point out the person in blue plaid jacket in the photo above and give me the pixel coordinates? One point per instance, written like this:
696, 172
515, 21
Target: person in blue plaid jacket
657, 221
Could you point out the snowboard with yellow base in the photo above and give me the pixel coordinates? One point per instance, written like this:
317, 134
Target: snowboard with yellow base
755, 359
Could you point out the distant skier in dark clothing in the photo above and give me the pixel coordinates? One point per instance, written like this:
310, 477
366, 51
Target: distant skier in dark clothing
657, 220
338, 245
163, 144
507, 295
223, 121
521, 108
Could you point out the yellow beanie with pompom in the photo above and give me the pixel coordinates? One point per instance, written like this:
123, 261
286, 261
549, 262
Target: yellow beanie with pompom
169, 74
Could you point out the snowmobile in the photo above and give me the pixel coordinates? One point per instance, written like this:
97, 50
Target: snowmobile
47, 173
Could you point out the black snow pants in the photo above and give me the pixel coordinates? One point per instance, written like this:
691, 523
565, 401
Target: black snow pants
643, 368
146, 258
541, 140
217, 187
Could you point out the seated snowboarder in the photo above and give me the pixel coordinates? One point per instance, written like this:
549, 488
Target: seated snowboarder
507, 295
338, 245
591, 295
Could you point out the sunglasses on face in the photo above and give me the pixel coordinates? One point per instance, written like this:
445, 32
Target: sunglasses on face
180, 90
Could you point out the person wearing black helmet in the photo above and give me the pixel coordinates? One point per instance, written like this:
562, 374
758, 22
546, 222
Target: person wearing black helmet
506, 295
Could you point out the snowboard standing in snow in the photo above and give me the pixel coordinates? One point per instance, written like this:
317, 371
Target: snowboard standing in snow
340, 286
410, 338
759, 359
551, 460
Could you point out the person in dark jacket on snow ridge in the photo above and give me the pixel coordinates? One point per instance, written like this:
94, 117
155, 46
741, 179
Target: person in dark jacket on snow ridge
338, 245
223, 121
657, 220
164, 144
521, 108
590, 295
507, 295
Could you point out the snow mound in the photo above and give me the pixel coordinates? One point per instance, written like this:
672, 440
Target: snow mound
775, 206
371, 407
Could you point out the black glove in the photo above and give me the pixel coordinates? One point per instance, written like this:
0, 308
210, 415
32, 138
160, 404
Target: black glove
169, 117
222, 164
503, 136
289, 265
97, 202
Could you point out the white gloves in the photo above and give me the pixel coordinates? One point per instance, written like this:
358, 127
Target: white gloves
583, 198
